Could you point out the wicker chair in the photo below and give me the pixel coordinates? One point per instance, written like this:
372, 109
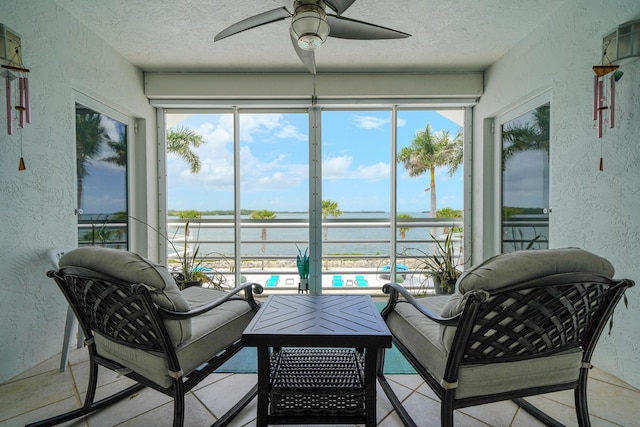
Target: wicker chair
518, 325
137, 322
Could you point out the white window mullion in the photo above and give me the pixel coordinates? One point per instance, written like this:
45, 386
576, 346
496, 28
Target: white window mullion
315, 201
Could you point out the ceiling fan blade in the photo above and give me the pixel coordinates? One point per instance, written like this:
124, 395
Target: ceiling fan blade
339, 6
307, 57
253, 22
345, 28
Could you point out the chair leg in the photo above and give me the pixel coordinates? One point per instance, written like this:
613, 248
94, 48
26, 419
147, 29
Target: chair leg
446, 408
66, 340
582, 408
178, 402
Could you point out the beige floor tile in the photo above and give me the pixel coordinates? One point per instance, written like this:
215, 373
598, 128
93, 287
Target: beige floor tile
196, 415
495, 414
425, 390
215, 377
46, 366
426, 413
33, 392
141, 402
383, 405
220, 396
44, 391
52, 410
613, 403
410, 381
599, 374
106, 376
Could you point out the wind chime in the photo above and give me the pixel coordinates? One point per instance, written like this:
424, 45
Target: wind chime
604, 97
17, 96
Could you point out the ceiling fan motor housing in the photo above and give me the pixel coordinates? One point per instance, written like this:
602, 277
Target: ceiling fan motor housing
309, 23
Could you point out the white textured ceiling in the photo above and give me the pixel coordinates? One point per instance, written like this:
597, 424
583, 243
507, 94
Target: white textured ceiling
177, 35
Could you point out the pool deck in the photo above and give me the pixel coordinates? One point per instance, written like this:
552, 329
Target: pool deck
343, 280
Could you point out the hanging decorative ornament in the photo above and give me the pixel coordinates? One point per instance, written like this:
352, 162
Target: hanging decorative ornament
16, 95
20, 100
604, 96
8, 78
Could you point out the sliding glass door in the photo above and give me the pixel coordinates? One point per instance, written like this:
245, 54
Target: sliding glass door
274, 185
101, 166
525, 179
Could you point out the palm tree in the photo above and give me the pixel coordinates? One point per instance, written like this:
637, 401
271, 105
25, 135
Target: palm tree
532, 135
180, 140
329, 208
429, 150
89, 134
263, 214
403, 230
119, 157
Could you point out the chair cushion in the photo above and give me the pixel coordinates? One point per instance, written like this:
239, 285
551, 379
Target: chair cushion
132, 268
422, 338
521, 266
212, 332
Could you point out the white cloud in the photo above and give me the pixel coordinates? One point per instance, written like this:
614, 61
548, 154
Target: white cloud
340, 168
290, 131
374, 172
217, 156
369, 122
111, 127
336, 167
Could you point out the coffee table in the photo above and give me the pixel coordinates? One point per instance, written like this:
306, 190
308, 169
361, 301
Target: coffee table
305, 373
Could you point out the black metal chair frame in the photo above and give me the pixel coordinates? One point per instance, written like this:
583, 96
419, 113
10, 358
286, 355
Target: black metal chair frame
545, 316
125, 313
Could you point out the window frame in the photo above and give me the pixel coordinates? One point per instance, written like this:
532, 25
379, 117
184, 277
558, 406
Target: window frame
315, 155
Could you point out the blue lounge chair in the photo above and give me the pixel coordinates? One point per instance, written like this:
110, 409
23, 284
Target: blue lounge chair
385, 271
273, 281
337, 281
361, 281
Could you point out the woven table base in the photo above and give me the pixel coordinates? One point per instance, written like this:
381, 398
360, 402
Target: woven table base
317, 382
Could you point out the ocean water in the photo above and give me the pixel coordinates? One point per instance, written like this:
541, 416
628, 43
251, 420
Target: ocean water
340, 239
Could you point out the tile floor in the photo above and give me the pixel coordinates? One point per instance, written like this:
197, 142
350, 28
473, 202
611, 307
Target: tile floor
45, 391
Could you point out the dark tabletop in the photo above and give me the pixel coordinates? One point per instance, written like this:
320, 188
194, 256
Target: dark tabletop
318, 320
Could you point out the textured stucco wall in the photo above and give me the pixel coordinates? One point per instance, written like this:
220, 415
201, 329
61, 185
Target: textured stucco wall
598, 211
36, 205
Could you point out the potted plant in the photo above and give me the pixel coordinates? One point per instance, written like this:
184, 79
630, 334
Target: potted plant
191, 271
443, 265
302, 262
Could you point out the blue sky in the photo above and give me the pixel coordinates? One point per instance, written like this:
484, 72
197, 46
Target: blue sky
274, 161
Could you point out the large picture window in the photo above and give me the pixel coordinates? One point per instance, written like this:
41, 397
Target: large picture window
270, 185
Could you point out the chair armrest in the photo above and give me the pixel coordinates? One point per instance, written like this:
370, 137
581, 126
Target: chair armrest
395, 290
248, 288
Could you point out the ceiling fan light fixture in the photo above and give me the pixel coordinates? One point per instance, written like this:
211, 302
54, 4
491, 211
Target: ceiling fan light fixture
310, 25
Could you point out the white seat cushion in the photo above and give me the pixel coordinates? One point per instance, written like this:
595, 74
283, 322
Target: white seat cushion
422, 337
521, 266
211, 333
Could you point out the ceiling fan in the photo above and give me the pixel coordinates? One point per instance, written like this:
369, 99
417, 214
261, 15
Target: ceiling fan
311, 25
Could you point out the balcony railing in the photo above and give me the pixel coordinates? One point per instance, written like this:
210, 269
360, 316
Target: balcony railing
358, 253
524, 232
